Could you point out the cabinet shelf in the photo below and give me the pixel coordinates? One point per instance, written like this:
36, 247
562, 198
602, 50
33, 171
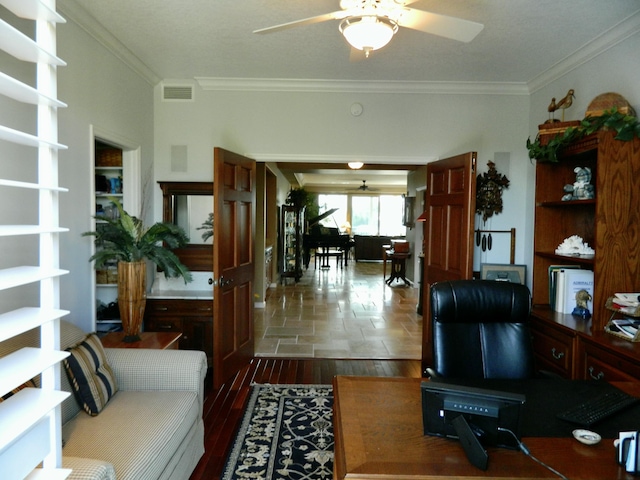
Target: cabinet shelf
567, 258
567, 204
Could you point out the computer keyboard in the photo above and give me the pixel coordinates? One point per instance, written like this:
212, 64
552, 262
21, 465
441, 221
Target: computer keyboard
596, 408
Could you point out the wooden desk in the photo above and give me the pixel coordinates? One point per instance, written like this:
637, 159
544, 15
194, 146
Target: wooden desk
154, 340
379, 435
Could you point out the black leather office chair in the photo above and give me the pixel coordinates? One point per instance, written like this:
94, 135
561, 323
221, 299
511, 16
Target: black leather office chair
481, 330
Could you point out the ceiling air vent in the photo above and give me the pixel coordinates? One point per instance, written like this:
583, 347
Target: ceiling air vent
177, 93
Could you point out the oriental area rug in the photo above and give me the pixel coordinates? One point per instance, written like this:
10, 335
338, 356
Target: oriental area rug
286, 434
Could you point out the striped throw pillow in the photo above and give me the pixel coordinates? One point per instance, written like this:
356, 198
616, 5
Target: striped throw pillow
90, 375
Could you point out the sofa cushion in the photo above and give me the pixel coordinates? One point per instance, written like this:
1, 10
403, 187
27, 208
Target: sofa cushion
90, 375
138, 432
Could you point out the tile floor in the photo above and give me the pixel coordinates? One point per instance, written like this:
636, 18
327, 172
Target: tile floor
340, 313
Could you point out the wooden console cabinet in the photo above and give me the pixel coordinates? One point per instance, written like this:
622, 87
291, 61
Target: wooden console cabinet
610, 223
194, 318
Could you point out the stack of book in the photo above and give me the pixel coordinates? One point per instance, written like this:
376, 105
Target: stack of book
565, 281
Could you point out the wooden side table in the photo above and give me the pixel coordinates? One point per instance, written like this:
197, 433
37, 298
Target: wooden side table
398, 266
154, 340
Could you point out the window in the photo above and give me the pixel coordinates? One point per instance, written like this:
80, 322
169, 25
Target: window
367, 214
339, 217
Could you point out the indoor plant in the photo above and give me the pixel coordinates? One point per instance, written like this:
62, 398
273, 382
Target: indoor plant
124, 238
625, 126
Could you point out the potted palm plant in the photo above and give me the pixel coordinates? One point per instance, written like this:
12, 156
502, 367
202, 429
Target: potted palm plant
124, 238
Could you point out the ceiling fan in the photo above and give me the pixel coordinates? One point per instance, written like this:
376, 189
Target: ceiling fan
370, 24
365, 188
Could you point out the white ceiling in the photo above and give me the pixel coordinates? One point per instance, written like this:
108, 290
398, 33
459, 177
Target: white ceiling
522, 40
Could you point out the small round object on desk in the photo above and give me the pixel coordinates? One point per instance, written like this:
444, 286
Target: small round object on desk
587, 437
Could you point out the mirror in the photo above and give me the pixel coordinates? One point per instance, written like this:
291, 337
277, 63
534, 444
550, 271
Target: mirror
189, 204
194, 214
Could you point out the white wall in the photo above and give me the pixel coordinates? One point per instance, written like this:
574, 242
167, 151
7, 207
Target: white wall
428, 126
100, 91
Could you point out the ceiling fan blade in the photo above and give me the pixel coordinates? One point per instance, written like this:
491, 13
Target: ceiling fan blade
441, 25
305, 21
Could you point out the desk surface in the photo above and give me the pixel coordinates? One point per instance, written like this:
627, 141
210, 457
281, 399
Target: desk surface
378, 434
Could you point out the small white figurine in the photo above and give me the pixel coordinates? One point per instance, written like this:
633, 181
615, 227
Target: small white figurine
581, 188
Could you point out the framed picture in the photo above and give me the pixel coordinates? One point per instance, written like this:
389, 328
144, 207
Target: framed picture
503, 272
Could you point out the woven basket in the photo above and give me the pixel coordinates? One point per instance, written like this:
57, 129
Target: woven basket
109, 157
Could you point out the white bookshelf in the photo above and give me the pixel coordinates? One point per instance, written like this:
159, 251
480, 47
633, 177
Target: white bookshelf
31, 419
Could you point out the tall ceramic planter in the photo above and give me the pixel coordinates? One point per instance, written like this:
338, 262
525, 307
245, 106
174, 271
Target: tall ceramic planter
132, 297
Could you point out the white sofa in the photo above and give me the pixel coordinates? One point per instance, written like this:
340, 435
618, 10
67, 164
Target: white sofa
151, 429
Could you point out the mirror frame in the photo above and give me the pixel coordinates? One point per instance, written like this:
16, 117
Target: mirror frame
196, 257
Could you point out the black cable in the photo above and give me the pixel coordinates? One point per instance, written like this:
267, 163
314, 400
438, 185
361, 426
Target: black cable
527, 452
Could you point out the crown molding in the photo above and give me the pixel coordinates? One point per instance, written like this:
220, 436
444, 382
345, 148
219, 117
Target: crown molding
338, 159
75, 12
602, 43
359, 86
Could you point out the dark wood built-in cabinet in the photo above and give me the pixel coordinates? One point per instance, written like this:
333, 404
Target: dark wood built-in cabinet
194, 318
572, 346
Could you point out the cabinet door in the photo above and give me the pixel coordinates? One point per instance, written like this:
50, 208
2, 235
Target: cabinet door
598, 363
554, 351
197, 334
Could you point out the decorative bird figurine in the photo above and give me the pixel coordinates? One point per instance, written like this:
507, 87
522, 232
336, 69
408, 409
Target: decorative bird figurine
552, 108
566, 102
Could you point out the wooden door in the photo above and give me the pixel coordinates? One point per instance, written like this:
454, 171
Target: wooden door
233, 262
448, 231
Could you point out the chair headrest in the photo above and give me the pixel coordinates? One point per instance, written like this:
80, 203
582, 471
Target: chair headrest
479, 301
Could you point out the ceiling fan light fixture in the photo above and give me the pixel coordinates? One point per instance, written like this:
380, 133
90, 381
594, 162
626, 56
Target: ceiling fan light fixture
368, 32
355, 165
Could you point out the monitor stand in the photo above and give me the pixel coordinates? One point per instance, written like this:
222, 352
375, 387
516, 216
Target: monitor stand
475, 453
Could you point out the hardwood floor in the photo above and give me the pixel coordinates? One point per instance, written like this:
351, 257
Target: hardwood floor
223, 408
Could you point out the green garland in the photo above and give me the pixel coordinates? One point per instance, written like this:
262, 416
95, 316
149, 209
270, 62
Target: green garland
625, 126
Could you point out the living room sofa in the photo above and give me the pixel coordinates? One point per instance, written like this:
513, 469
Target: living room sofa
369, 247
150, 429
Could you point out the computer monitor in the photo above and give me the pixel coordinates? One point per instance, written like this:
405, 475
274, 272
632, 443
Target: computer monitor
484, 410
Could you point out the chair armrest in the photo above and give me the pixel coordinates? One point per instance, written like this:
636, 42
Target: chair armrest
145, 369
